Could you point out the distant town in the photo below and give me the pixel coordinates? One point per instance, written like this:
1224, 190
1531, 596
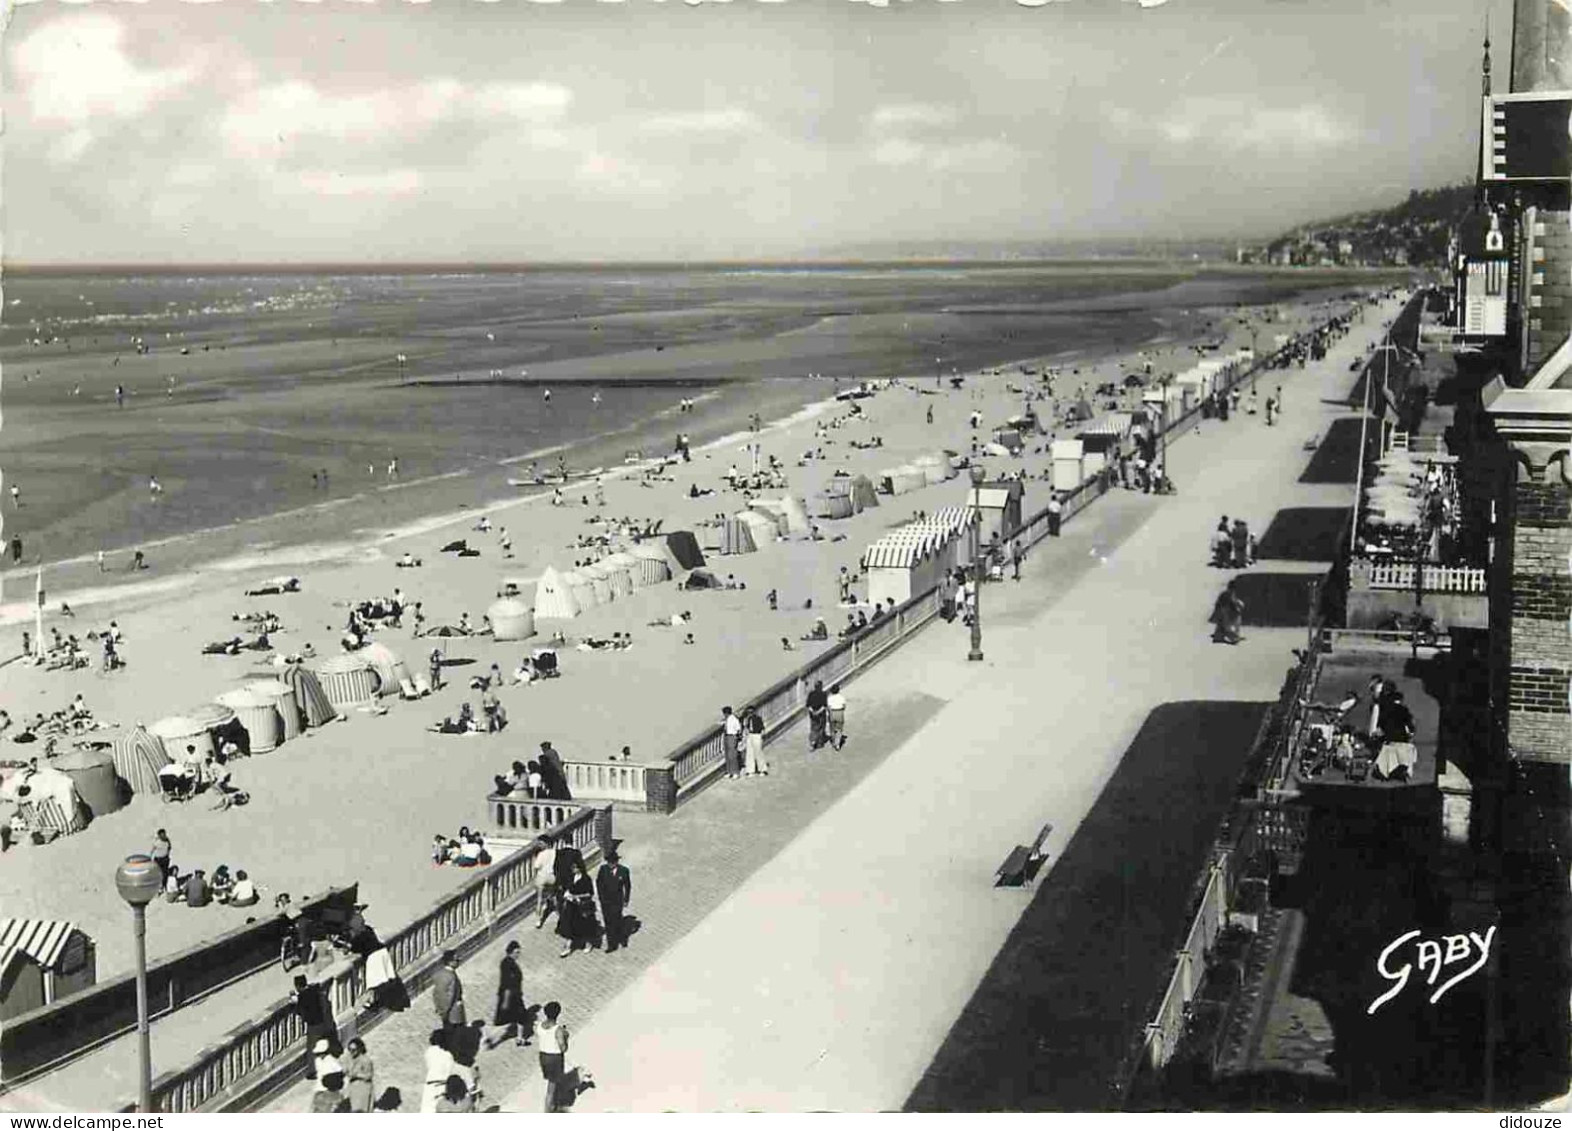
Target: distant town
1414, 233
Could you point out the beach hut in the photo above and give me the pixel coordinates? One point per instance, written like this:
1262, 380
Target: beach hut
1069, 464
736, 536
600, 578
185, 739
684, 549
349, 681
42, 961
92, 771
284, 702
511, 619
583, 590
50, 803
258, 716
835, 501
138, 756
900, 566
315, 706
1102, 439
1001, 503
554, 598
391, 671
651, 566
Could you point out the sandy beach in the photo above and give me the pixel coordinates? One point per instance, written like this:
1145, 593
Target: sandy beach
360, 799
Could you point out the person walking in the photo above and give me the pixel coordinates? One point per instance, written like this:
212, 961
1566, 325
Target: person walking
545, 880
1017, 555
360, 1075
551, 1042
1240, 536
1055, 514
835, 703
576, 910
731, 739
753, 739
511, 1014
447, 997
818, 715
439, 1066
614, 888
1227, 616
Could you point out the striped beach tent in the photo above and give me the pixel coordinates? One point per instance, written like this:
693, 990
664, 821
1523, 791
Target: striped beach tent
625, 563
653, 567
138, 757
313, 701
53, 803
391, 670
736, 536
617, 575
600, 577
554, 597
764, 529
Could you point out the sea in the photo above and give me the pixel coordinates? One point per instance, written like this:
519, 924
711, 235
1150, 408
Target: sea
284, 398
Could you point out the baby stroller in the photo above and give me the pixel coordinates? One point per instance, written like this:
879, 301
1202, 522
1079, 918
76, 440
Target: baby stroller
544, 663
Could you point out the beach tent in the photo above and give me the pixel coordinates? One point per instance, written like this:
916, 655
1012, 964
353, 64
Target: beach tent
701, 579
313, 701
629, 566
554, 598
42, 961
796, 515
935, 467
258, 716
616, 575
834, 501
185, 739
92, 771
391, 670
736, 536
511, 619
863, 494
764, 528
222, 724
684, 548
349, 680
284, 702
601, 583
52, 802
1009, 439
138, 756
916, 479
652, 566
583, 590
775, 511
891, 483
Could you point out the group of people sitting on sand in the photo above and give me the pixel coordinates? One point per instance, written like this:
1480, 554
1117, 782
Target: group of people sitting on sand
236, 645
619, 642
184, 780
264, 622
467, 850
494, 719
196, 889
73, 719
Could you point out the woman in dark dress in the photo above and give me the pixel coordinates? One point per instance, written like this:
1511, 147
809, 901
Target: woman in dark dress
576, 923
511, 1012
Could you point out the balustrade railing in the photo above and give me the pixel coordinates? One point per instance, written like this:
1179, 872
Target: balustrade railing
1166, 1029
274, 1041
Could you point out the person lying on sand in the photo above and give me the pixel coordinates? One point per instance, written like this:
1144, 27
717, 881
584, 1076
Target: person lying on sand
676, 620
230, 647
408, 561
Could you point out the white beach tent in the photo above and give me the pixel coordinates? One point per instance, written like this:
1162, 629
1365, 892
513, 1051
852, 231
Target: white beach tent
629, 566
511, 619
554, 597
391, 671
600, 578
775, 512
935, 468
890, 481
583, 590
652, 567
617, 574
796, 515
765, 528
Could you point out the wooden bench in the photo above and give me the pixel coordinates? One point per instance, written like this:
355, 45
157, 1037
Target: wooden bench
1022, 858
1313, 442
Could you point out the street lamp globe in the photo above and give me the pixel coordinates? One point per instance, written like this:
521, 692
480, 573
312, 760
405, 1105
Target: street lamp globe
139, 880
978, 474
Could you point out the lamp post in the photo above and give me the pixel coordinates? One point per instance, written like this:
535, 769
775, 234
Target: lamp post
977, 568
139, 880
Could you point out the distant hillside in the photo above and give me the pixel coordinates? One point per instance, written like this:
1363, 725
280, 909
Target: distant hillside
1413, 233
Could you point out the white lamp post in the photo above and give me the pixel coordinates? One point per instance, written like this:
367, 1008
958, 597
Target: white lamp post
977, 564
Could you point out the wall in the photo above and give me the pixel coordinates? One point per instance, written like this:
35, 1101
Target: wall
1549, 316
1371, 608
1539, 718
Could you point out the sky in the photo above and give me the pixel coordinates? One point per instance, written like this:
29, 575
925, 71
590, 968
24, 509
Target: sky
459, 131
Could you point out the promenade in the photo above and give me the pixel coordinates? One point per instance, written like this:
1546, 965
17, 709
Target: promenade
807, 941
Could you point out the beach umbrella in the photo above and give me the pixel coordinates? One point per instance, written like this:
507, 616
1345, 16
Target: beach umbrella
309, 695
138, 756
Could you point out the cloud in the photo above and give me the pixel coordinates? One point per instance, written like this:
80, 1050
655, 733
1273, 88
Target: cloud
391, 182
265, 122
733, 120
911, 115
1236, 125
977, 154
75, 69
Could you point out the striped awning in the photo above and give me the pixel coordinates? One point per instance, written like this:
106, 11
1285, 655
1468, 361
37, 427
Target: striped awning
901, 550
42, 940
1109, 424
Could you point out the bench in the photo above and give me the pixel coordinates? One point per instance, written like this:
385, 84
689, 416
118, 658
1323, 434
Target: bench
1313, 442
1022, 858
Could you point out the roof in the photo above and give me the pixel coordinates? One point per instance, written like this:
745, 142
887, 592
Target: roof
1109, 424
899, 552
42, 940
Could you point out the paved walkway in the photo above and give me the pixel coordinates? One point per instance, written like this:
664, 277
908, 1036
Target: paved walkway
790, 963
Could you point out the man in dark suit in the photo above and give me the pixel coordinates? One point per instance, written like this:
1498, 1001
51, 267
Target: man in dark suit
614, 887
447, 995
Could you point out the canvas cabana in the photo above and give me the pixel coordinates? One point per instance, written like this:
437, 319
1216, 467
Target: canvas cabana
616, 575
684, 549
834, 503
284, 702
583, 589
349, 681
624, 562
736, 537
138, 756
701, 579
258, 716
901, 565
42, 961
554, 599
315, 706
391, 671
600, 581
511, 619
935, 468
51, 805
185, 739
1009, 439
92, 771
652, 565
